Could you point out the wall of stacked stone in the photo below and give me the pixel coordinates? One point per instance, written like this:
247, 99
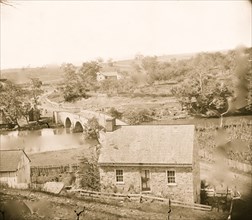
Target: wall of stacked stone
43, 174
182, 190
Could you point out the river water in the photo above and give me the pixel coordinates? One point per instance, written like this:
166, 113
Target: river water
42, 140
61, 138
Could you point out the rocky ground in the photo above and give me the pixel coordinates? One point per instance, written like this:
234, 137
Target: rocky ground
25, 204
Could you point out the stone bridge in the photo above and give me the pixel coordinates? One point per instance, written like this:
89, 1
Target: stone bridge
77, 121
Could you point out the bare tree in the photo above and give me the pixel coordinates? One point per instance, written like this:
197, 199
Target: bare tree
5, 2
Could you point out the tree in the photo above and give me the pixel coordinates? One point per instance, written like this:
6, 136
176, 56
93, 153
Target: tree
36, 90
115, 113
6, 2
150, 65
203, 96
14, 102
74, 87
92, 128
90, 174
134, 117
88, 72
110, 86
110, 62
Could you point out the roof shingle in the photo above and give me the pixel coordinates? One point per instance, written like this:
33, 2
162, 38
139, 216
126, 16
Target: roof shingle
149, 144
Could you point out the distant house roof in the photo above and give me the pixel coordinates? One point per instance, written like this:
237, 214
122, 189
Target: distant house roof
9, 159
108, 74
149, 144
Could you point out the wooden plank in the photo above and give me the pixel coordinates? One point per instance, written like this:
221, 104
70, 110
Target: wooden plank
191, 204
192, 207
121, 196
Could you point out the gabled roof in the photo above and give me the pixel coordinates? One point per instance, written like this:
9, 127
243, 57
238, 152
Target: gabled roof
9, 159
108, 73
149, 144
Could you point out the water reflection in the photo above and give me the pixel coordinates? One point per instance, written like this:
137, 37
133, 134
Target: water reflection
42, 140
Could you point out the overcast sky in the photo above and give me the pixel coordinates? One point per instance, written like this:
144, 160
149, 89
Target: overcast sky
36, 33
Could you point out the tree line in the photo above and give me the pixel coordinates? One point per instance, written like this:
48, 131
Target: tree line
208, 84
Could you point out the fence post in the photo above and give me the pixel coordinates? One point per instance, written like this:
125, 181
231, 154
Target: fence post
169, 210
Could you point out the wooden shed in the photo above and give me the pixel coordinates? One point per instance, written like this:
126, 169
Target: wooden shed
14, 168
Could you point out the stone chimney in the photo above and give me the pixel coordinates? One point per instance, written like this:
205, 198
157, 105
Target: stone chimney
110, 124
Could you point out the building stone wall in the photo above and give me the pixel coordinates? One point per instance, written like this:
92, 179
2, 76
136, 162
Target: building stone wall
43, 174
182, 190
196, 172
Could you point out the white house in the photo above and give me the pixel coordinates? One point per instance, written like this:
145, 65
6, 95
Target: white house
100, 76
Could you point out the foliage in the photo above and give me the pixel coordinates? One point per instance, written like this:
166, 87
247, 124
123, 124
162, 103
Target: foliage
74, 88
110, 62
202, 93
6, 2
203, 96
134, 117
203, 193
241, 130
90, 174
14, 102
92, 128
112, 86
79, 81
88, 72
36, 91
114, 113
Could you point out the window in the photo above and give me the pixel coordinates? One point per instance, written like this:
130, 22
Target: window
119, 176
171, 176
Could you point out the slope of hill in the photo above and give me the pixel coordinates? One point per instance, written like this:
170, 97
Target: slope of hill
23, 75
54, 74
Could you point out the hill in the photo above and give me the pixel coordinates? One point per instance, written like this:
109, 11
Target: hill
54, 74
23, 75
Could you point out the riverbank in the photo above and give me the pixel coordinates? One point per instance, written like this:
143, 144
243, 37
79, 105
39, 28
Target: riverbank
44, 122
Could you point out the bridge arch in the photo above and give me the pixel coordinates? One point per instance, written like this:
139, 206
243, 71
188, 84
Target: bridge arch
78, 127
68, 123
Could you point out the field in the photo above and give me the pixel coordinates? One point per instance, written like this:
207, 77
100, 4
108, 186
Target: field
48, 75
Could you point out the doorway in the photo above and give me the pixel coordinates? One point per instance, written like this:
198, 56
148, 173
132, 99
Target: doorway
145, 180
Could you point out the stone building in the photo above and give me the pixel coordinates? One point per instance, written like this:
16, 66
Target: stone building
14, 168
161, 160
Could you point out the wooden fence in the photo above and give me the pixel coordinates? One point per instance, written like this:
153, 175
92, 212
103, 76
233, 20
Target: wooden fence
140, 197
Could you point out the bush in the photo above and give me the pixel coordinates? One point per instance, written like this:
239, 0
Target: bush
114, 113
90, 175
134, 117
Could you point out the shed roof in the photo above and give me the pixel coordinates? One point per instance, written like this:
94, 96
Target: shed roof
149, 144
9, 159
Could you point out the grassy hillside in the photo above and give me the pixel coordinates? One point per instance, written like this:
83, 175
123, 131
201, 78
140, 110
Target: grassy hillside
54, 74
23, 75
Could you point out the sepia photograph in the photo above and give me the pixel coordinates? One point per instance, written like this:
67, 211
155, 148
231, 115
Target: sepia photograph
125, 110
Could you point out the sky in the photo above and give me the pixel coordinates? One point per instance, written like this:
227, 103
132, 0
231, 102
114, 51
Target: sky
35, 33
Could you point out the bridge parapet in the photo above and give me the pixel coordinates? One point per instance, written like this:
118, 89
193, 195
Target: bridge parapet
69, 119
